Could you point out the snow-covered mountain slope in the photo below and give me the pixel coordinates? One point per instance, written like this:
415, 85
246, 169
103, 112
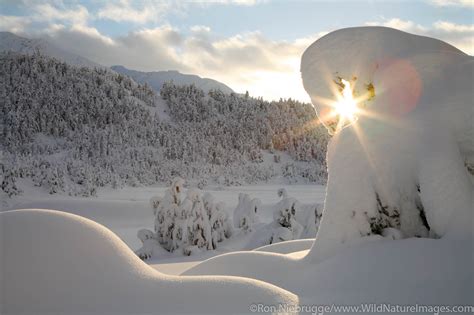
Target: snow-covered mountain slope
156, 79
15, 43
59, 263
71, 130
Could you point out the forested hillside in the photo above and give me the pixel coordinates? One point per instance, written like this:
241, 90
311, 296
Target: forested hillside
72, 129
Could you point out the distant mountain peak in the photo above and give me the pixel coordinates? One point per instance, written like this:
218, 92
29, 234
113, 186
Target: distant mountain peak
155, 79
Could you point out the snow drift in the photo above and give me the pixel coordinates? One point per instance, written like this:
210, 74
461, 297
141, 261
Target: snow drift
54, 262
410, 271
287, 247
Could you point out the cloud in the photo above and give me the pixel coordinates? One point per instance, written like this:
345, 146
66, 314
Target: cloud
453, 28
200, 29
460, 3
247, 61
125, 11
403, 25
45, 17
226, 2
50, 14
458, 35
145, 11
14, 24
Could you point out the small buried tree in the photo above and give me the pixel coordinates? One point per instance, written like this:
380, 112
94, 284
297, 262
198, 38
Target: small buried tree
8, 184
245, 214
192, 224
284, 226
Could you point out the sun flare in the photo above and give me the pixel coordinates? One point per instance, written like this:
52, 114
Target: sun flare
346, 106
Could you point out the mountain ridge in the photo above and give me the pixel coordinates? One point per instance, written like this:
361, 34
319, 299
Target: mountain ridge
156, 79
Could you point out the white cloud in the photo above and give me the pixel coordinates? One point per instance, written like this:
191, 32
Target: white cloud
49, 13
403, 25
144, 11
453, 28
461, 3
126, 11
14, 24
200, 29
458, 35
226, 2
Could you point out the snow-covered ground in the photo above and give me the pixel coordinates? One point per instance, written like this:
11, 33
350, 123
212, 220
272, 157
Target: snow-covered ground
56, 262
127, 210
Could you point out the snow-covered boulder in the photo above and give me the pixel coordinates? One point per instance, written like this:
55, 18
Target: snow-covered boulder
58, 263
407, 103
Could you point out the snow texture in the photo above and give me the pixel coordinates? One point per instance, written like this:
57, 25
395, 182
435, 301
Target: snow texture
54, 262
409, 271
402, 164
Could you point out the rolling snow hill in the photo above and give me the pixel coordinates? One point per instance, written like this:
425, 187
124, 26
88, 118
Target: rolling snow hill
15, 43
156, 79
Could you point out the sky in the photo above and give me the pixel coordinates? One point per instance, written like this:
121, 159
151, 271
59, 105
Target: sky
250, 45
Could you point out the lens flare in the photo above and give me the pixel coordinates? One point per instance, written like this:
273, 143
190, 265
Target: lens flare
346, 106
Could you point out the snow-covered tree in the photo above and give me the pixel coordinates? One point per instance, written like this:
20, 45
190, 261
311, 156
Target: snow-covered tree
309, 216
107, 131
285, 226
190, 224
246, 212
9, 184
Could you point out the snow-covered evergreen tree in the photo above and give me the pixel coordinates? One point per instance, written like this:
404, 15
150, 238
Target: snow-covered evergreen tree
309, 216
9, 184
246, 212
95, 128
189, 224
285, 226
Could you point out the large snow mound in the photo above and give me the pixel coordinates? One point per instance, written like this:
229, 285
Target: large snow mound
360, 52
410, 271
55, 262
403, 162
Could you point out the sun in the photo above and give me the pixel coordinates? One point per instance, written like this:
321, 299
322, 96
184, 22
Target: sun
346, 105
